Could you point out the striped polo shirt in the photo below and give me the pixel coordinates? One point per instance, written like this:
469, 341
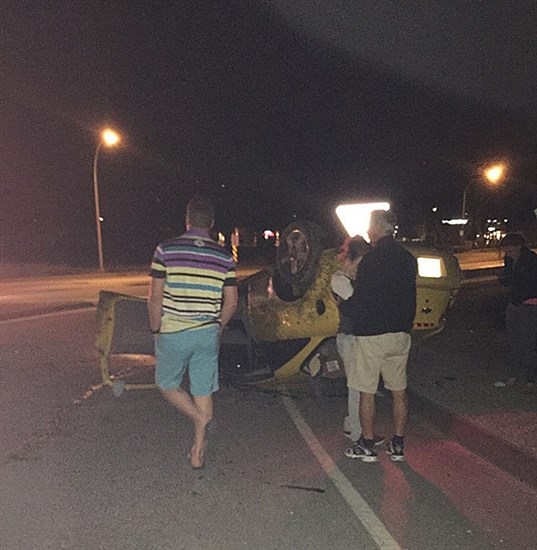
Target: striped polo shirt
196, 269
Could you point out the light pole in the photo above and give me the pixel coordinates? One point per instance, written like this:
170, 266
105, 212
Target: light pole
492, 174
108, 138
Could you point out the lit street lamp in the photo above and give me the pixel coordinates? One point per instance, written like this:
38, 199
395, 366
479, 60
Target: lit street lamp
493, 174
108, 138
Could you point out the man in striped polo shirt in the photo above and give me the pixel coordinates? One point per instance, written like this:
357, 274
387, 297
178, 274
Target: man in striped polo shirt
193, 295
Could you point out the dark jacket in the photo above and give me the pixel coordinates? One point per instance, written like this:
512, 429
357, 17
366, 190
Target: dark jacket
521, 276
384, 298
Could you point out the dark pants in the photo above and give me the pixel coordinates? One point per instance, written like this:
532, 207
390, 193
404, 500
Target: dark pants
522, 333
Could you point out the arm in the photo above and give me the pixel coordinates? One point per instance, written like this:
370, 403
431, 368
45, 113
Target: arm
154, 302
230, 299
357, 284
341, 286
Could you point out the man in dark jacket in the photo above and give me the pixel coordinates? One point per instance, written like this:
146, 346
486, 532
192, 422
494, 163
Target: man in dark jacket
520, 275
382, 309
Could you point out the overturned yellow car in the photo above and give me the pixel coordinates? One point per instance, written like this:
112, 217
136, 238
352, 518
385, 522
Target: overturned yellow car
287, 319
291, 316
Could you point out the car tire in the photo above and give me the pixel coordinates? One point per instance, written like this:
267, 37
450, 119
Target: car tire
284, 290
297, 260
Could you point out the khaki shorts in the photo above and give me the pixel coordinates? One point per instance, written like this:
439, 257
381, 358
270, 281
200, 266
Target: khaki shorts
382, 354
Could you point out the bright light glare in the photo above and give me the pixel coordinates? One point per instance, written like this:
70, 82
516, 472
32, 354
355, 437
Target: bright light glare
430, 267
495, 173
355, 217
456, 221
109, 137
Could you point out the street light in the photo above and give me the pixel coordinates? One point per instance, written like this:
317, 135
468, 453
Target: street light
108, 138
493, 174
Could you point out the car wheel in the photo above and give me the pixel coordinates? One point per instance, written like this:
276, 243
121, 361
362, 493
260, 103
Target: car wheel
297, 260
284, 290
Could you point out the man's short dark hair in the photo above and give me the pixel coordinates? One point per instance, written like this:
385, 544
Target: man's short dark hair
356, 247
200, 212
513, 239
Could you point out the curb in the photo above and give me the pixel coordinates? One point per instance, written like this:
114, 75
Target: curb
494, 449
477, 276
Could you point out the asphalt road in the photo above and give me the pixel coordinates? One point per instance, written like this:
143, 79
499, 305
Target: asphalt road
82, 469
20, 296
27, 296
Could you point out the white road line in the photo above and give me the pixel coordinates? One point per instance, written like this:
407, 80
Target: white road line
45, 315
358, 505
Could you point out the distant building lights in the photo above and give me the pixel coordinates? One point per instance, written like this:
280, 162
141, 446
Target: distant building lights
455, 221
434, 208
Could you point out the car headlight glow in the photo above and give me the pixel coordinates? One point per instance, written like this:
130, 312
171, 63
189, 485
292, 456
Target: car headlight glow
355, 217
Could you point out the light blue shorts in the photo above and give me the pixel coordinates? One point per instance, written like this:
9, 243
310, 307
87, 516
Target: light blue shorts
195, 351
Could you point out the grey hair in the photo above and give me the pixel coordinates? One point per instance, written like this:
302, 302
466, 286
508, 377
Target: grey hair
384, 220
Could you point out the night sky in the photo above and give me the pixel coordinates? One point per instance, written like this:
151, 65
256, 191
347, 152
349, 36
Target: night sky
275, 109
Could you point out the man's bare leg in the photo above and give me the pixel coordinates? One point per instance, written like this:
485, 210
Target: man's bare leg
400, 412
204, 404
367, 415
199, 409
